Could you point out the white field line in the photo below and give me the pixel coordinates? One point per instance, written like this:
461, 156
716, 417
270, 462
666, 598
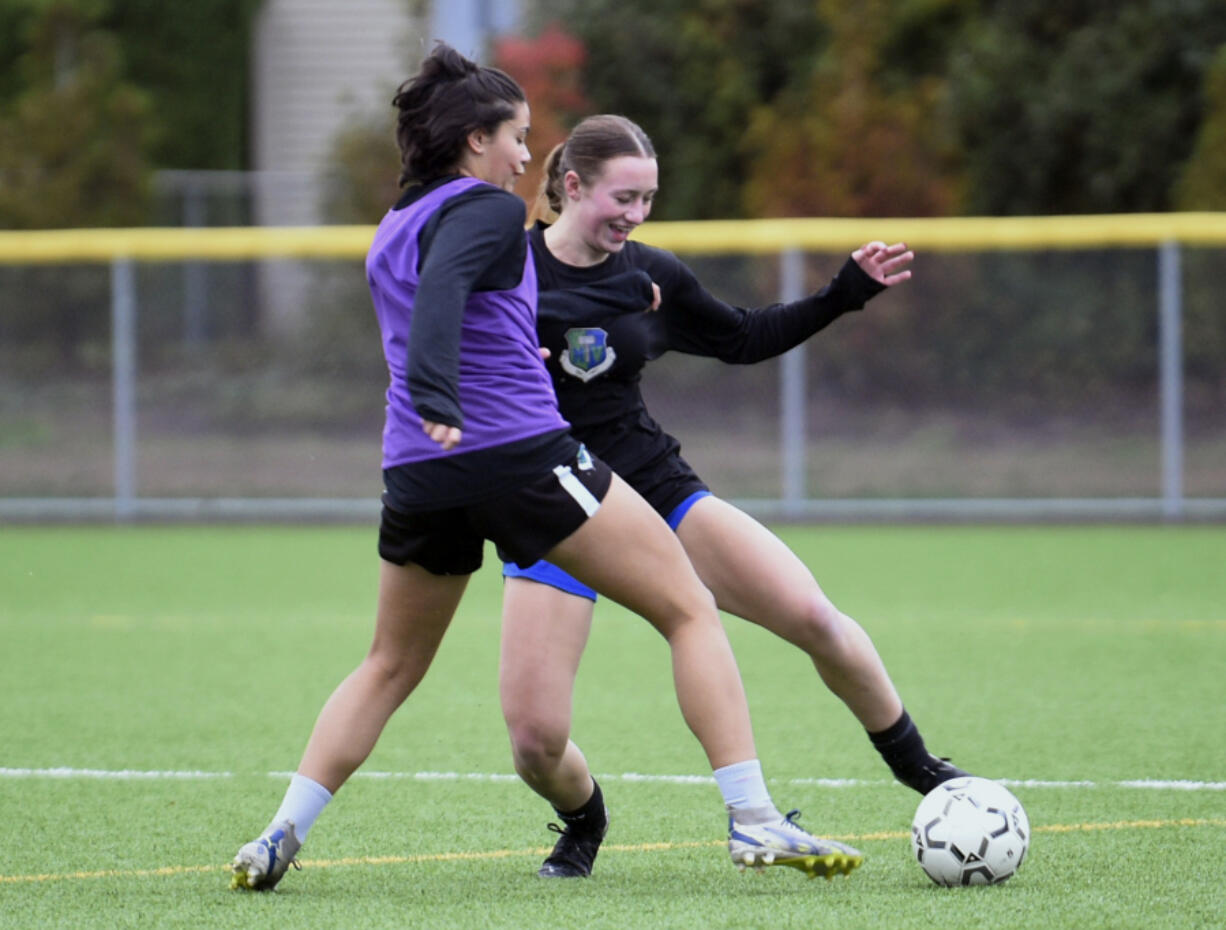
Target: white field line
110, 774
64, 772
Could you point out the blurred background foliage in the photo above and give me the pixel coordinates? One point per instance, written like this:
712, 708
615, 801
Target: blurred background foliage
758, 107
96, 95
76, 138
910, 107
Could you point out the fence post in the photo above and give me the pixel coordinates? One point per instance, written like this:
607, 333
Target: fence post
123, 384
195, 296
1170, 364
793, 439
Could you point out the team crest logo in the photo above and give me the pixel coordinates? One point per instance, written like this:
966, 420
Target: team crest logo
588, 353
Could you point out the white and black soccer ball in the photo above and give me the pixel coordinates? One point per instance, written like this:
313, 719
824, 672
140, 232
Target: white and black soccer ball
970, 831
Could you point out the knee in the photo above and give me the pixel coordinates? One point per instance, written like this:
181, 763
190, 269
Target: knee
697, 605
393, 674
537, 745
823, 626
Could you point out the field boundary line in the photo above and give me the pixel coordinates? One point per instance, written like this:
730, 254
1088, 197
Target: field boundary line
65, 772
536, 851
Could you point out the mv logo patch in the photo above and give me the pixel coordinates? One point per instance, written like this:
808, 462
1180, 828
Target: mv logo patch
588, 353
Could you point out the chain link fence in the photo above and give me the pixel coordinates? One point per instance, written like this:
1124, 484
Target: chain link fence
1017, 383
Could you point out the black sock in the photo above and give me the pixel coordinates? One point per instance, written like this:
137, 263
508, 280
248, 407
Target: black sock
591, 816
901, 745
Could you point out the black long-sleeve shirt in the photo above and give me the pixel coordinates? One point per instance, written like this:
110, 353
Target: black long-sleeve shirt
592, 321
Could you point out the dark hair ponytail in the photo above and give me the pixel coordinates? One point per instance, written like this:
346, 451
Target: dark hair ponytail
548, 202
590, 144
449, 98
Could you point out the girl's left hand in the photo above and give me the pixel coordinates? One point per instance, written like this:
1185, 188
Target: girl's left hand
885, 264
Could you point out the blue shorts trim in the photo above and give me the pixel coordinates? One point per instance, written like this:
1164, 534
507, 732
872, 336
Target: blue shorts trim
548, 573
679, 512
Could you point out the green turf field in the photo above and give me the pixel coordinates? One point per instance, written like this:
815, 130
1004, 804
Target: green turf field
158, 684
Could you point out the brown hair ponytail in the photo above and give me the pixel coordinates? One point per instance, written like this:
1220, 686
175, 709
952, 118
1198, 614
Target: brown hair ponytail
590, 144
548, 202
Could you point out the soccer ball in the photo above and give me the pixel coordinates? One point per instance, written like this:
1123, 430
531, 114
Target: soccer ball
970, 831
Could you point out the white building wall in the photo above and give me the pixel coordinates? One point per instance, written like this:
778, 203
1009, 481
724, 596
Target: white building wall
318, 64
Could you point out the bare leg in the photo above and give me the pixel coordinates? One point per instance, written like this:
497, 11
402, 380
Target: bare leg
414, 611
754, 575
544, 632
650, 575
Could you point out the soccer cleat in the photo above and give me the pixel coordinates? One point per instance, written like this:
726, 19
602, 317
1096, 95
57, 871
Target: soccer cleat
784, 842
927, 776
575, 851
260, 864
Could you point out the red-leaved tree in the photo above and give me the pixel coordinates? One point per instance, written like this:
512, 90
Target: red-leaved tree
548, 68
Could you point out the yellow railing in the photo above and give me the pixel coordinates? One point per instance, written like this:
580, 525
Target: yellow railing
965, 234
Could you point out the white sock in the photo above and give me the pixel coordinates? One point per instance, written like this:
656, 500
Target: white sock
304, 801
744, 791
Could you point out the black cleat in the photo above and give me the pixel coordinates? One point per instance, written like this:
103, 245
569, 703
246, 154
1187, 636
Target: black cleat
927, 776
575, 851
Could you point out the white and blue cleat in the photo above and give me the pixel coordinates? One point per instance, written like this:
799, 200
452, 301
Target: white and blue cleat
785, 842
260, 864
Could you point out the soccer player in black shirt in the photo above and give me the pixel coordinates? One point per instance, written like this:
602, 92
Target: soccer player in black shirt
608, 306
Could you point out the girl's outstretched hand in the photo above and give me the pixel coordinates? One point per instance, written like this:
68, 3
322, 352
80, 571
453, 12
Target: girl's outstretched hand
885, 264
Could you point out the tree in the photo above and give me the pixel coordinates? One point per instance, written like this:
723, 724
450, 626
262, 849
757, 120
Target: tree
1084, 107
192, 61
73, 152
189, 59
1202, 184
74, 142
864, 136
691, 72
364, 165
548, 68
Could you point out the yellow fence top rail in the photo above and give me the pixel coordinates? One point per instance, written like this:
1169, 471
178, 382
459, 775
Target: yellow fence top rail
957, 234
50, 246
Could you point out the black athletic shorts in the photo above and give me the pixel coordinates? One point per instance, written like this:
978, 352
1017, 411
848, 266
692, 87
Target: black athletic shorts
524, 523
665, 482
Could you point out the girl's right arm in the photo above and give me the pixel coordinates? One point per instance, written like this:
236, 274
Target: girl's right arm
477, 243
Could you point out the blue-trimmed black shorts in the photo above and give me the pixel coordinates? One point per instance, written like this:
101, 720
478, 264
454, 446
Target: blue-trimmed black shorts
524, 523
548, 573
